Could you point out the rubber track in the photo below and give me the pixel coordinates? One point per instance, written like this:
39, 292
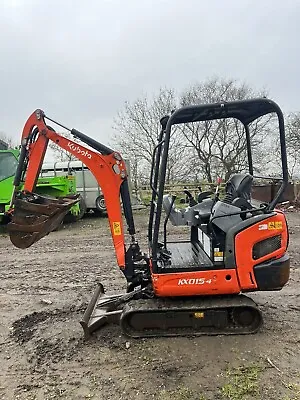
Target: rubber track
165, 309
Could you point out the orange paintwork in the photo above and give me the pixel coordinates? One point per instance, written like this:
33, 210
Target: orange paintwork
195, 283
214, 282
100, 165
245, 241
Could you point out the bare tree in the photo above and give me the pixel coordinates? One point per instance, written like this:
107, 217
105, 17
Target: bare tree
207, 149
293, 130
137, 129
221, 145
61, 154
293, 143
7, 140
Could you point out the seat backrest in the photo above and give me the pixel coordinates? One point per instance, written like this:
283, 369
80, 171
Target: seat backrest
239, 185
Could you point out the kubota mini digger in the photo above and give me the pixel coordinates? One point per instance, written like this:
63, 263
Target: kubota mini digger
189, 287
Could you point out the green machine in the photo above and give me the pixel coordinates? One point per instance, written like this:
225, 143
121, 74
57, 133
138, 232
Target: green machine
56, 186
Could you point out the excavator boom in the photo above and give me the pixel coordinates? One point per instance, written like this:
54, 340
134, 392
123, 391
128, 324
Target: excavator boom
34, 216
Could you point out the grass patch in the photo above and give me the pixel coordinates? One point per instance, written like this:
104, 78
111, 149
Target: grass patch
181, 393
294, 388
242, 383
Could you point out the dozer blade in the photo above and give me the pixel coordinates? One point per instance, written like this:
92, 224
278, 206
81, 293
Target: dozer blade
226, 315
35, 216
104, 309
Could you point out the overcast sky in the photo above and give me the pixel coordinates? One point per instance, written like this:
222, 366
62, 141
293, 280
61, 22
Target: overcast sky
81, 60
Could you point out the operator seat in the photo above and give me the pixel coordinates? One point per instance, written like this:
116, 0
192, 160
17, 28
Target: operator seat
237, 197
239, 186
225, 213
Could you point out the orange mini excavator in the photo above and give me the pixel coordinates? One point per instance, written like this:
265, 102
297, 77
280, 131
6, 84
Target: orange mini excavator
191, 287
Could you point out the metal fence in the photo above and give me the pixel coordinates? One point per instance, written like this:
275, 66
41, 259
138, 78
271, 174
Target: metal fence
263, 192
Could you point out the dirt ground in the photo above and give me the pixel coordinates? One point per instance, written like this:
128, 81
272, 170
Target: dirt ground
43, 294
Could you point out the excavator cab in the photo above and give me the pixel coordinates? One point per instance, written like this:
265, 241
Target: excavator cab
184, 287
234, 245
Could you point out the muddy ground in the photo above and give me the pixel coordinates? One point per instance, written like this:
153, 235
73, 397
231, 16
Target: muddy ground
44, 291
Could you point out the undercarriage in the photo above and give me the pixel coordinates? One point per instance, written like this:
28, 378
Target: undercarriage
141, 315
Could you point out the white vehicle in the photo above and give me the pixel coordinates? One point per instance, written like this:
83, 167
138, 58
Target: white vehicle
86, 184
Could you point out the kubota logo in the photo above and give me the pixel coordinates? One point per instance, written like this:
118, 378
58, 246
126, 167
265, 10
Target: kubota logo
194, 281
78, 150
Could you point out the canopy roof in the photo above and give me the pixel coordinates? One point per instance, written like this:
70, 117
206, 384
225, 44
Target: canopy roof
244, 110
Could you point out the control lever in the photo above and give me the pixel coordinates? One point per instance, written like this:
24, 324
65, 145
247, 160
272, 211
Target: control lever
166, 221
204, 195
192, 201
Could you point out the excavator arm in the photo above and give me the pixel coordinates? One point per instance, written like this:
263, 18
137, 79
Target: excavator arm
34, 217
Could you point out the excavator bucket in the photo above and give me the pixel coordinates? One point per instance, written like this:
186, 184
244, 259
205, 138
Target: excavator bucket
35, 216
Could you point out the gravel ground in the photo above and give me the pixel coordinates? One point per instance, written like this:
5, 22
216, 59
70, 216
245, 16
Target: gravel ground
45, 289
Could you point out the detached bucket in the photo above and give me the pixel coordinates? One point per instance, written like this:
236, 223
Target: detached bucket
35, 216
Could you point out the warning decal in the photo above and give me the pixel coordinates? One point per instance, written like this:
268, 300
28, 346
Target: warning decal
117, 228
275, 225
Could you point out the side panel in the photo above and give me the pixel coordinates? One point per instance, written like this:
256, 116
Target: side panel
6, 189
8, 166
246, 239
196, 283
